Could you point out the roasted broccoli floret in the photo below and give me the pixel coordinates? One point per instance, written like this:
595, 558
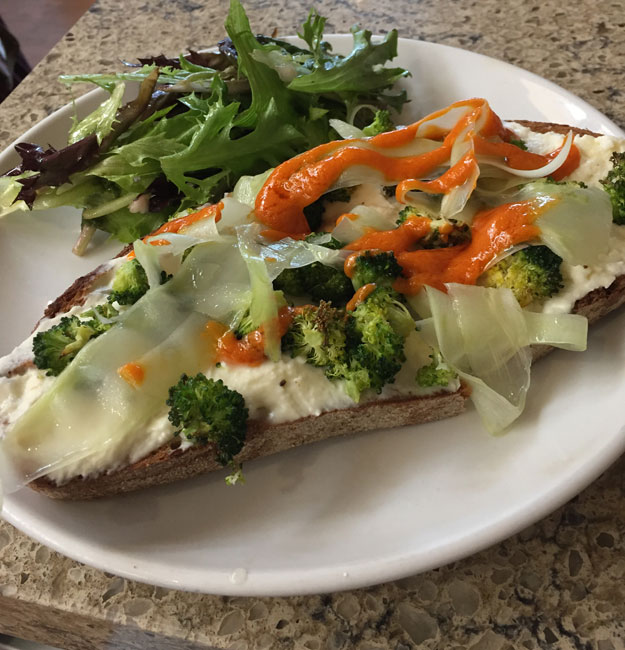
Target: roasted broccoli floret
436, 373
614, 184
531, 274
99, 312
316, 280
443, 232
380, 324
291, 282
55, 348
446, 234
326, 282
364, 348
319, 335
391, 305
408, 212
206, 410
381, 122
380, 267
129, 284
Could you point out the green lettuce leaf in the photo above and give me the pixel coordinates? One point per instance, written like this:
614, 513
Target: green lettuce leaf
101, 120
360, 71
312, 33
108, 81
128, 226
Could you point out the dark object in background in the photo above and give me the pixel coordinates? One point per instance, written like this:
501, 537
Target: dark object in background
13, 65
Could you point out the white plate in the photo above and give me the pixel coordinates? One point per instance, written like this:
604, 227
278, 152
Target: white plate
353, 512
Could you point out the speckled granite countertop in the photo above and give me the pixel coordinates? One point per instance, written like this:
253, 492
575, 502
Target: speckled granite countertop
558, 584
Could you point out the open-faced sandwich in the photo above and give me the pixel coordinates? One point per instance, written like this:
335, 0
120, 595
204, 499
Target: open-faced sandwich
371, 282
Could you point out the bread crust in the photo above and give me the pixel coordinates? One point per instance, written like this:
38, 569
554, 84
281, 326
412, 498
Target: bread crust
170, 463
74, 295
548, 127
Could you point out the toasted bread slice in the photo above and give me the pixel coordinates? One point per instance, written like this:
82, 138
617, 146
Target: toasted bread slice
170, 463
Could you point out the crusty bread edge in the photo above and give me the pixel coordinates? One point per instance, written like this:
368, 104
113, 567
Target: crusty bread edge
548, 127
168, 464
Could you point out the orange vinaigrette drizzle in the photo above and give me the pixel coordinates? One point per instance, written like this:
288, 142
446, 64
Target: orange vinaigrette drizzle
176, 225
300, 181
477, 130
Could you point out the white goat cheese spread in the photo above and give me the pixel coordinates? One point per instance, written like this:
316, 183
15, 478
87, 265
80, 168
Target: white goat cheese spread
595, 152
278, 392
290, 388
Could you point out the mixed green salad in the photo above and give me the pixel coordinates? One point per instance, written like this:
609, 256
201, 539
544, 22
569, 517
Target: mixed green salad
201, 121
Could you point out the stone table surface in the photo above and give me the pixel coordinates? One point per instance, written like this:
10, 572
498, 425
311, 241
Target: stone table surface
558, 584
